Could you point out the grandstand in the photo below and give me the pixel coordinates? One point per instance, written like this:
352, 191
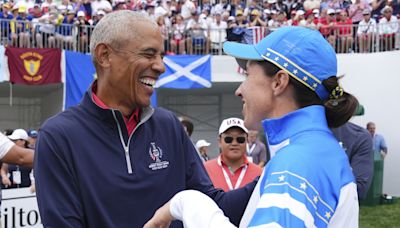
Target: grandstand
192, 28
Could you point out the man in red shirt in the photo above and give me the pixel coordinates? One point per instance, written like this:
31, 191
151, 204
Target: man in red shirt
231, 170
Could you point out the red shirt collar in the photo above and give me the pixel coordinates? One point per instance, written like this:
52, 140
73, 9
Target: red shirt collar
130, 122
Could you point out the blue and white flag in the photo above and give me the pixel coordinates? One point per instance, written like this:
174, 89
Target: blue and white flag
80, 73
186, 72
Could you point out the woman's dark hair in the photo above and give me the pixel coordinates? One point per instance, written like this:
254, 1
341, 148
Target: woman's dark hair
337, 110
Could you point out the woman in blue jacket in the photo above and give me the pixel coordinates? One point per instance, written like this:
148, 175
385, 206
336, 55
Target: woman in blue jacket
291, 90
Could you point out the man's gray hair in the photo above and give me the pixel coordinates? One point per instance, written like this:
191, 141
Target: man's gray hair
117, 27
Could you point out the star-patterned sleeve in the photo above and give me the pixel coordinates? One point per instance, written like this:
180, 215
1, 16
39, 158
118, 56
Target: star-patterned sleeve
289, 200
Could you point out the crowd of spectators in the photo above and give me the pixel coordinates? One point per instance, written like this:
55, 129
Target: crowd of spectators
191, 27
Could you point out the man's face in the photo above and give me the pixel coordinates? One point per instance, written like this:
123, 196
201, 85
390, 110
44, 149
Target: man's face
257, 96
233, 144
20, 142
253, 136
135, 67
371, 128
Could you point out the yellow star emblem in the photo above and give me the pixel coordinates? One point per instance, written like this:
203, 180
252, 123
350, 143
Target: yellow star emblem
328, 215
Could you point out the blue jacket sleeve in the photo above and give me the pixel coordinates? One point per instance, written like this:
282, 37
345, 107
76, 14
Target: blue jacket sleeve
56, 185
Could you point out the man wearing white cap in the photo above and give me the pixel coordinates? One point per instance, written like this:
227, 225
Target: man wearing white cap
231, 169
11, 153
202, 147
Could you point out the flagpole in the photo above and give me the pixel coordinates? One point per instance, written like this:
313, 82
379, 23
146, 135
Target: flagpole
11, 94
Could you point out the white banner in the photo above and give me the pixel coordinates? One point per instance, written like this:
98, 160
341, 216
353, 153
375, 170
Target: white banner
19, 209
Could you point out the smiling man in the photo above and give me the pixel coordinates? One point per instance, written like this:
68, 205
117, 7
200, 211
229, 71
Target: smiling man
113, 160
231, 169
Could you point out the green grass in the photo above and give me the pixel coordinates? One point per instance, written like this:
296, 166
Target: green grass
385, 216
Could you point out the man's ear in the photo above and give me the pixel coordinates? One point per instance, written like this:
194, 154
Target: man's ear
280, 82
102, 55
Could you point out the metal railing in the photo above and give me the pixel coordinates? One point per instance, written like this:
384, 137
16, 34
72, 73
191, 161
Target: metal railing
76, 37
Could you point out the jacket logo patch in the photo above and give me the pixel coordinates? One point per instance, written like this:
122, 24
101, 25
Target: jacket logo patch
156, 155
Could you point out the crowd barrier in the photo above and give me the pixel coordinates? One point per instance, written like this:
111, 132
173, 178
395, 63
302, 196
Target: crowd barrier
344, 38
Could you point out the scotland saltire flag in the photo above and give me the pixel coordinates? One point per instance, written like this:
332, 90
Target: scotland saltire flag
186, 72
80, 73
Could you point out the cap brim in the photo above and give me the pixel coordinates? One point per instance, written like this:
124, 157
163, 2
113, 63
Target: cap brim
242, 52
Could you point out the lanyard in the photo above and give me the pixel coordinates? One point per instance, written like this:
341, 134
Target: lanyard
228, 180
250, 150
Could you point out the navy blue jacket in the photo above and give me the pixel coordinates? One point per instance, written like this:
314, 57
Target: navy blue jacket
90, 173
357, 143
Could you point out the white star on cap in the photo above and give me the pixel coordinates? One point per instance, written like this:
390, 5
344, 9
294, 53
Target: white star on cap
276, 58
281, 178
294, 71
268, 54
328, 215
285, 64
315, 85
303, 186
305, 78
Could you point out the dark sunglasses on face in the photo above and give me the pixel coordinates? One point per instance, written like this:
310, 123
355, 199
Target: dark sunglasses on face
240, 139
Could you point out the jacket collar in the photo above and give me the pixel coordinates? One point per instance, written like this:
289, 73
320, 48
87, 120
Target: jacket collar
304, 119
106, 114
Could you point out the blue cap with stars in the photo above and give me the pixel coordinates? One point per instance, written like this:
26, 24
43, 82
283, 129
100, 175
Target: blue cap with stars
303, 53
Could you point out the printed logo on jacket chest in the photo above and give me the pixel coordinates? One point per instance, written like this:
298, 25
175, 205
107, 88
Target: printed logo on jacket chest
156, 155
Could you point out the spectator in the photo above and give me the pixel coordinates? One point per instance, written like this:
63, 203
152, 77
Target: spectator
197, 30
327, 27
255, 19
356, 10
310, 21
357, 143
64, 32
14, 176
202, 147
231, 169
187, 8
388, 27
103, 5
149, 157
218, 32
21, 28
187, 125
256, 150
5, 16
178, 35
47, 5
83, 32
345, 33
366, 31
45, 30
380, 148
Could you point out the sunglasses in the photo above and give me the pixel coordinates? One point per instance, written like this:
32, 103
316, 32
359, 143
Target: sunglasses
240, 139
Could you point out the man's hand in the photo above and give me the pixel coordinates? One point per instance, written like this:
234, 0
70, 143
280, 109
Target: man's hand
161, 219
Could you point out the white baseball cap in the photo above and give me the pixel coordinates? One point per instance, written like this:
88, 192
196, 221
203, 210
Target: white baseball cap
81, 14
18, 134
231, 122
201, 143
330, 11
